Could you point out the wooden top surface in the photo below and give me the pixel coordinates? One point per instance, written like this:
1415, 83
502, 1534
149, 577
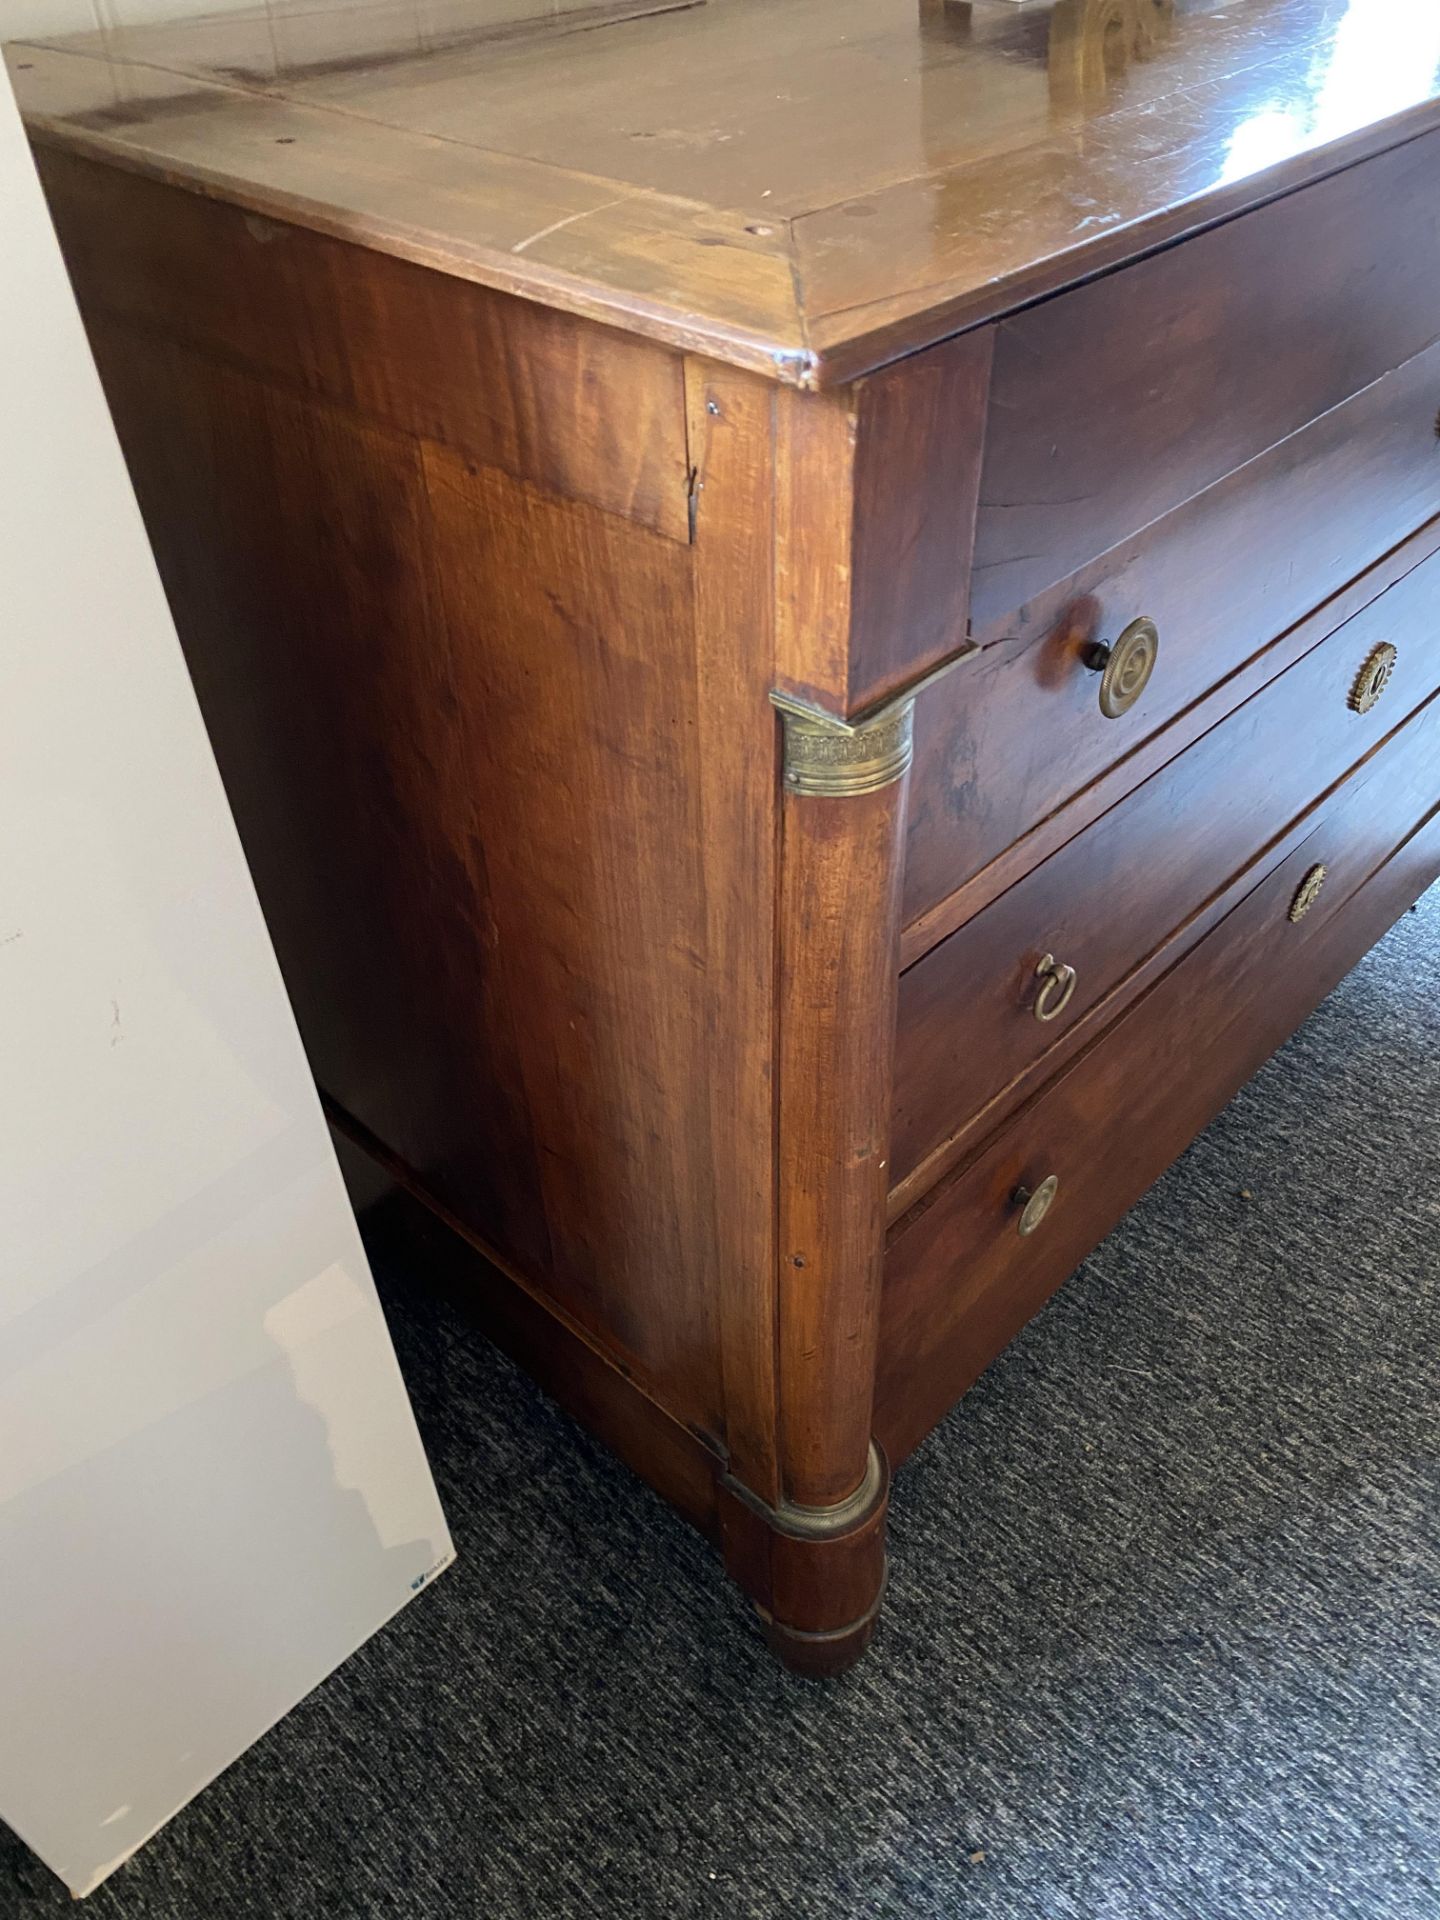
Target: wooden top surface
808, 187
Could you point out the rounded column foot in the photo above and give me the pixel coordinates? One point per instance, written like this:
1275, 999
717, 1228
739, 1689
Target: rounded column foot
816, 1574
824, 1655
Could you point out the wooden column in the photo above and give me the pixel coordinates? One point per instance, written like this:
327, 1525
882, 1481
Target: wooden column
817, 1570
843, 828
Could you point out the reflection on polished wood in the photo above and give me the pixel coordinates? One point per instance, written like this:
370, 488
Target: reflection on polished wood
1094, 43
806, 187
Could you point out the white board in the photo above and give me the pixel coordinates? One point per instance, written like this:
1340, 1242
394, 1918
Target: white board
211, 1485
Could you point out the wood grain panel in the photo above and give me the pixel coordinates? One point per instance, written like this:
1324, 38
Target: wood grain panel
423, 1249
919, 437
814, 552
296, 548
875, 521
1030, 183
1140, 879
732, 432
511, 876
1008, 742
910, 173
959, 1280
1115, 403
580, 409
657, 265
580, 711
1123, 776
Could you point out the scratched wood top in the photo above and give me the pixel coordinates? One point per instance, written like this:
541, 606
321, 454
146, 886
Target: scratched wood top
807, 187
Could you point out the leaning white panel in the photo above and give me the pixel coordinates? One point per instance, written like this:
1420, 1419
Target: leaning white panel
211, 1486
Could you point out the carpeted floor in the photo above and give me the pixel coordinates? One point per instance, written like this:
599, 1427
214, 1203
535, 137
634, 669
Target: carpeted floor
1163, 1635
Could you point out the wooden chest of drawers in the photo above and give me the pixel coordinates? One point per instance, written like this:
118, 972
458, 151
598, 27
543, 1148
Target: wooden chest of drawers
786, 664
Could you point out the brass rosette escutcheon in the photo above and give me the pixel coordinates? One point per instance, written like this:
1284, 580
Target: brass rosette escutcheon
1373, 678
1307, 893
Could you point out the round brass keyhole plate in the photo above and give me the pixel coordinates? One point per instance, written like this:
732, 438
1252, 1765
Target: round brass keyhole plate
1373, 678
1037, 1204
1307, 893
1129, 667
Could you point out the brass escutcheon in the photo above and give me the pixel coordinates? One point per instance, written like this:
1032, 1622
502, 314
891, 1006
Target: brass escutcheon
1035, 1204
1373, 678
1125, 668
1307, 893
1057, 988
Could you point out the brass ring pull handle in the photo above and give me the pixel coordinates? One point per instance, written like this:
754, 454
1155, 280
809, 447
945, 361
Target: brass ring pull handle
1057, 988
1125, 668
1034, 1203
1373, 678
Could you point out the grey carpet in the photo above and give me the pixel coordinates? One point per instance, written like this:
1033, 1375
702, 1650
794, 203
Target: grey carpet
1161, 1638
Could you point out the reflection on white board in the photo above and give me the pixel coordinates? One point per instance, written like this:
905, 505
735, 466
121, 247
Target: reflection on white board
211, 1485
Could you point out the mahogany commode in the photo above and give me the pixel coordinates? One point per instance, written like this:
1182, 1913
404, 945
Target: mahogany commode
795, 642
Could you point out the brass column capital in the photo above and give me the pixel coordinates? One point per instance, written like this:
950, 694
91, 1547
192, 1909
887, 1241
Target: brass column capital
832, 757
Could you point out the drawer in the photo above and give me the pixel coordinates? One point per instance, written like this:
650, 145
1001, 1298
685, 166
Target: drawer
960, 1278
1019, 733
1148, 876
1113, 403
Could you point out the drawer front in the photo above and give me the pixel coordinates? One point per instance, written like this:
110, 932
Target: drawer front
1113, 403
977, 1016
960, 1278
1019, 732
